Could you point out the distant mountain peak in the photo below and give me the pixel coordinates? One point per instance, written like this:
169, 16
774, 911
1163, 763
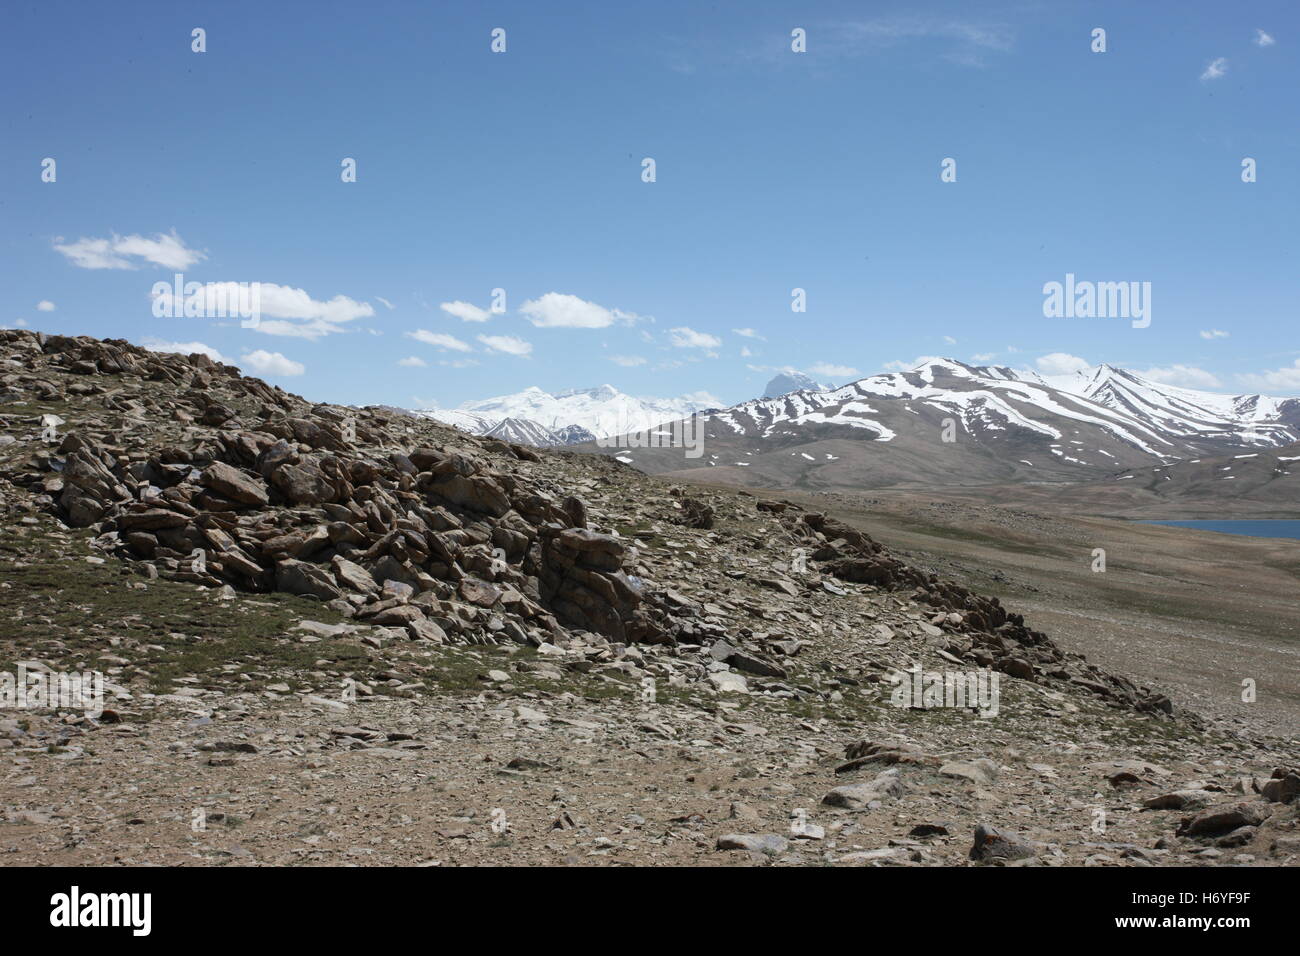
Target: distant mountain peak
599, 392
536, 417
944, 362
792, 381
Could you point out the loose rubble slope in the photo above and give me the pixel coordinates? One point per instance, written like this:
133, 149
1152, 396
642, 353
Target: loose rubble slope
336, 634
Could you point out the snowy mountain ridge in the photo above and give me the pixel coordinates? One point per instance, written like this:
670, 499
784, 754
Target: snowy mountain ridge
1157, 419
536, 417
1151, 419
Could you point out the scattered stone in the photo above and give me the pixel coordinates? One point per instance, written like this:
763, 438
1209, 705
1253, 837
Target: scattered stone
1218, 820
1282, 787
1179, 800
982, 772
857, 796
928, 830
726, 682
762, 844
999, 846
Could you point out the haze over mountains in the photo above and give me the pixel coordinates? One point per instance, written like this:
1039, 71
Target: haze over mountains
536, 417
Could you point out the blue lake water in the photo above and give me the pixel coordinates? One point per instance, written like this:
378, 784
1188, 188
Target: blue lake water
1254, 527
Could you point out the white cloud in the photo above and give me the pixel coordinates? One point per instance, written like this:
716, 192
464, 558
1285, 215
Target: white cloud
1186, 375
272, 363
1061, 363
306, 330
745, 352
308, 318
413, 361
388, 305
465, 311
507, 343
684, 337
899, 366
950, 340
1262, 38
627, 361
984, 356
1218, 66
45, 305
966, 41
168, 251
1284, 379
749, 334
286, 302
182, 348
558, 310
440, 340
1214, 334
832, 371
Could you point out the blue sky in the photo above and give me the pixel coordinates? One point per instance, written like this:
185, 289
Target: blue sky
775, 170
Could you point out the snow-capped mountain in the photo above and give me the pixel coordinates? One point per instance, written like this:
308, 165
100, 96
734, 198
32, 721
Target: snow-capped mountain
946, 422
523, 432
787, 382
572, 435
1156, 419
536, 417
1248, 419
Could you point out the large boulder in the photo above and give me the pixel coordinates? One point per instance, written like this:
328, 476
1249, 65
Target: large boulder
999, 846
353, 576
861, 570
150, 519
1283, 786
88, 487
1224, 818
299, 577
81, 507
305, 483
857, 796
477, 493
234, 484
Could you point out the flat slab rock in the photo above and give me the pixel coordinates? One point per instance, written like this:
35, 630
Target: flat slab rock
857, 796
982, 771
767, 844
1216, 821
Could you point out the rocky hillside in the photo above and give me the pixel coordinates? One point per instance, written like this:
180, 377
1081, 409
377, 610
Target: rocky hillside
433, 633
